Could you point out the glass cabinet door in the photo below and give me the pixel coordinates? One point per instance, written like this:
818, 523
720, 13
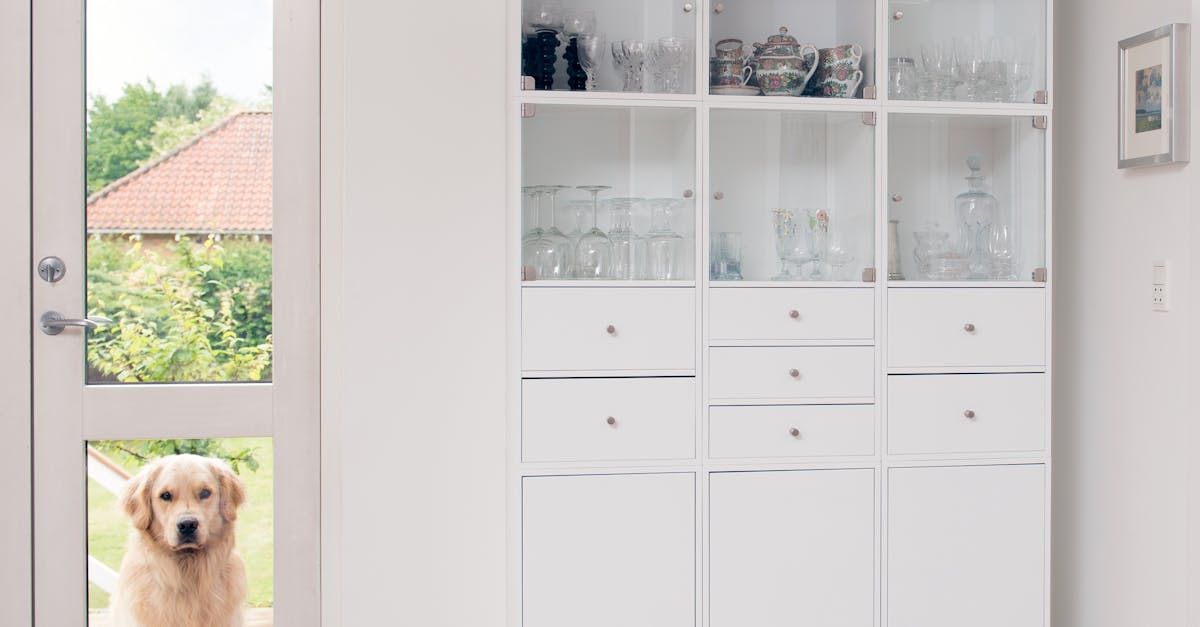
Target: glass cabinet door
967, 197
607, 193
816, 48
638, 46
967, 50
793, 196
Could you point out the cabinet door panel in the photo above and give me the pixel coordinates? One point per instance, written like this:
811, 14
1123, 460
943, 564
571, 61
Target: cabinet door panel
966, 546
607, 550
792, 548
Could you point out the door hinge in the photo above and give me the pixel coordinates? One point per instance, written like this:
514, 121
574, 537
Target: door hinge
1039, 275
870, 118
528, 109
1041, 96
528, 84
1040, 122
868, 275
869, 92
528, 273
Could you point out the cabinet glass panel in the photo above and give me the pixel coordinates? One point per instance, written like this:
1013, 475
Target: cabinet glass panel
608, 193
819, 48
609, 45
967, 50
967, 197
792, 196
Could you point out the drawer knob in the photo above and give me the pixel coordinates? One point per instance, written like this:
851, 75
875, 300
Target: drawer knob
612, 422
794, 315
794, 373
969, 414
969, 328
611, 330
795, 433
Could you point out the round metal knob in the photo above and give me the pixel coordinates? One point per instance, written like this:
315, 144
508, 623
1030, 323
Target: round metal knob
687, 193
897, 198
794, 432
688, 7
897, 16
795, 374
719, 196
719, 8
611, 330
969, 328
612, 422
969, 414
794, 315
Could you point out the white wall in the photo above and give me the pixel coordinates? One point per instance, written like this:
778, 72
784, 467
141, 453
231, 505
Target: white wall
414, 250
1125, 377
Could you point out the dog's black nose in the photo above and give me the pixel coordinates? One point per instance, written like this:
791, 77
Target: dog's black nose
187, 526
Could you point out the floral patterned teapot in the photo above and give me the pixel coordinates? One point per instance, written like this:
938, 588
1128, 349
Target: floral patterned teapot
783, 65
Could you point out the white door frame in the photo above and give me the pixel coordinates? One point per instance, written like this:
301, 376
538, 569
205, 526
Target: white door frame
16, 591
67, 413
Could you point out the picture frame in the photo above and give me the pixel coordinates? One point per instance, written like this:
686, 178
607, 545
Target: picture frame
1152, 99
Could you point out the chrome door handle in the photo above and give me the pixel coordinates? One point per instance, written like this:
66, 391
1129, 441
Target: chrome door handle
53, 323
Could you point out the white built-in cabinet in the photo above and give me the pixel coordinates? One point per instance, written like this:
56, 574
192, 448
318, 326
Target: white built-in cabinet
833, 431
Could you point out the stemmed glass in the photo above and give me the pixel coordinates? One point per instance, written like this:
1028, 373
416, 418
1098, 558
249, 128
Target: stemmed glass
664, 245
529, 214
590, 47
545, 16
973, 67
818, 225
838, 252
593, 253
578, 209
578, 22
938, 61
552, 191
787, 234
626, 244
548, 253
1018, 71
666, 58
629, 55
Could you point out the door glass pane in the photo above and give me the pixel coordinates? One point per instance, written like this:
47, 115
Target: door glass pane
179, 202
608, 193
641, 46
128, 537
968, 196
967, 50
841, 33
794, 192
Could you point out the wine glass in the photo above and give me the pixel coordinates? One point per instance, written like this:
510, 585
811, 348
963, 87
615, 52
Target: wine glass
839, 252
556, 259
529, 213
666, 58
629, 56
593, 253
552, 191
590, 47
938, 59
664, 246
818, 226
1018, 71
578, 210
973, 67
578, 22
783, 223
545, 16
626, 244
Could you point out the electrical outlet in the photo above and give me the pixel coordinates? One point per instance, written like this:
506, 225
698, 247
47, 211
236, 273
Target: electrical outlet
1160, 295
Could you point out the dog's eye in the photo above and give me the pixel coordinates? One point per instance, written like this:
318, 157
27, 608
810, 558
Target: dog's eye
166, 496
205, 493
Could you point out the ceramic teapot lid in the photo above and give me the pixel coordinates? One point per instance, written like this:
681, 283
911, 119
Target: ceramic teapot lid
782, 38
782, 44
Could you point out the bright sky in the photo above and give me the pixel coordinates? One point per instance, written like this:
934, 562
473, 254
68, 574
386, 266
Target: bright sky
179, 41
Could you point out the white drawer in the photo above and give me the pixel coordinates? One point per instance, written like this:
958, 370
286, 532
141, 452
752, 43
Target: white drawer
608, 329
837, 373
791, 431
979, 413
568, 419
788, 314
969, 329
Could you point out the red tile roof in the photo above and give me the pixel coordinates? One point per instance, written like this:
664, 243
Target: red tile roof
219, 182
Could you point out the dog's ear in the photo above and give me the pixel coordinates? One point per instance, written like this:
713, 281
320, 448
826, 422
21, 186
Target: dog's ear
233, 493
136, 499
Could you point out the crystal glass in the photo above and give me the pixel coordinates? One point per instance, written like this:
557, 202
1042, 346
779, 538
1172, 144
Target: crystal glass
627, 246
545, 15
793, 244
976, 210
726, 251
838, 252
818, 226
665, 247
903, 80
629, 57
931, 243
1018, 71
590, 48
548, 252
579, 210
666, 57
529, 213
578, 22
1001, 261
940, 71
593, 253
973, 68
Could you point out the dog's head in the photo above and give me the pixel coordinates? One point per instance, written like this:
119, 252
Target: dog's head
184, 502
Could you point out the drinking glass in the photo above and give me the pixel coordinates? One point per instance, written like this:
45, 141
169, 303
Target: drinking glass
548, 254
940, 71
626, 244
790, 244
590, 47
727, 250
1001, 253
973, 67
1018, 70
593, 253
552, 191
839, 252
664, 247
578, 22
818, 225
559, 259
529, 213
578, 210
629, 57
666, 58
546, 16
903, 81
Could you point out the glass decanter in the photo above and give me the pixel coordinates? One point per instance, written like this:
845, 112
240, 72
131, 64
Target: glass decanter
975, 210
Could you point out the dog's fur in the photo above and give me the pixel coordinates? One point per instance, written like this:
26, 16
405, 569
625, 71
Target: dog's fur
168, 579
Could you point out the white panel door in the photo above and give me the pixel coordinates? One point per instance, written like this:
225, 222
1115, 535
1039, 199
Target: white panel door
966, 546
609, 551
792, 548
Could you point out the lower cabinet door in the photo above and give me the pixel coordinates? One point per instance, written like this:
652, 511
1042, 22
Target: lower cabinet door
966, 546
789, 548
609, 550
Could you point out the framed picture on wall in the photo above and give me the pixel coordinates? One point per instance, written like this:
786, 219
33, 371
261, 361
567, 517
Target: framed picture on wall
1152, 125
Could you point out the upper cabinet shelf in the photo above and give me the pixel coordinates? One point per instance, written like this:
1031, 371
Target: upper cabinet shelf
986, 51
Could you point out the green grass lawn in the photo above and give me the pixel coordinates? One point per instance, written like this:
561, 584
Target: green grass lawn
108, 528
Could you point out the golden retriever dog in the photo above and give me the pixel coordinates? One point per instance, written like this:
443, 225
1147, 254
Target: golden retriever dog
180, 569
